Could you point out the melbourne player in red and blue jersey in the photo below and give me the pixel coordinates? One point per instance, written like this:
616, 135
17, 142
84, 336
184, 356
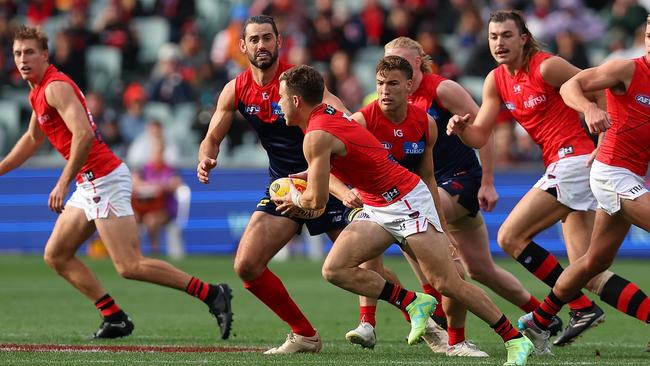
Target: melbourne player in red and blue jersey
398, 206
254, 93
101, 200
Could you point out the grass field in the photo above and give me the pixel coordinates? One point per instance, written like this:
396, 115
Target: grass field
37, 307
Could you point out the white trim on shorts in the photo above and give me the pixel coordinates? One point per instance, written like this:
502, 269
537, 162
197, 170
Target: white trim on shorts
570, 178
409, 215
110, 193
611, 183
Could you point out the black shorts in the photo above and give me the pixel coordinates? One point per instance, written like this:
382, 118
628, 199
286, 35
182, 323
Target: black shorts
331, 219
465, 186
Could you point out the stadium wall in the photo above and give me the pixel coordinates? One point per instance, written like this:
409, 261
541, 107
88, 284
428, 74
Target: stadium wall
219, 211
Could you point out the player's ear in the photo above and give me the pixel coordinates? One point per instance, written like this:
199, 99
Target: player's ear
279, 41
242, 45
297, 102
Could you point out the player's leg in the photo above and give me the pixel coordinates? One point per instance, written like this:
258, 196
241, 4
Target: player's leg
364, 334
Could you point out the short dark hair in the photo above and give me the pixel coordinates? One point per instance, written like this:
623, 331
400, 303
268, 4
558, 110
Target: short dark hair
259, 19
390, 63
305, 82
532, 46
24, 32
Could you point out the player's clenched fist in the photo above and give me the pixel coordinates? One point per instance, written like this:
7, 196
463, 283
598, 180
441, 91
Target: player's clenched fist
457, 124
204, 168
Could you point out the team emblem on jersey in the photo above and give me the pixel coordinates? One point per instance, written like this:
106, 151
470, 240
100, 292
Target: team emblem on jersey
510, 106
516, 88
643, 99
387, 145
252, 109
414, 148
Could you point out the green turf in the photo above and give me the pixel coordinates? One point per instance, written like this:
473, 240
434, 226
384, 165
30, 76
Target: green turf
36, 306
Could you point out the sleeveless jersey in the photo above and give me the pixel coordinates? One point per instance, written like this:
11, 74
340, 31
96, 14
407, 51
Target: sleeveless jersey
365, 166
101, 160
451, 157
259, 106
405, 141
539, 108
627, 142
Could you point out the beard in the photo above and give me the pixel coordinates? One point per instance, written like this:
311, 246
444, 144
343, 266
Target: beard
263, 65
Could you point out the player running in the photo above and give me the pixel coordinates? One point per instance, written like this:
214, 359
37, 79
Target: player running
101, 200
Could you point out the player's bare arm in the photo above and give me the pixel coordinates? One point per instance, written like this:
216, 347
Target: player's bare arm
61, 96
615, 75
358, 117
219, 125
477, 133
26, 146
459, 102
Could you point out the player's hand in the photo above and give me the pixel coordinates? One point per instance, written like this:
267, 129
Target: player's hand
457, 124
487, 197
56, 201
285, 204
597, 120
352, 199
204, 168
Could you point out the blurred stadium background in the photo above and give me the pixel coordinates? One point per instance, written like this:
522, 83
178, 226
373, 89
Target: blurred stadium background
167, 60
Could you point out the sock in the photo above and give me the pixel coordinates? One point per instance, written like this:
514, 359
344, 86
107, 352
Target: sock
430, 290
505, 329
396, 295
270, 290
626, 297
367, 314
201, 290
545, 266
456, 335
531, 305
109, 308
544, 314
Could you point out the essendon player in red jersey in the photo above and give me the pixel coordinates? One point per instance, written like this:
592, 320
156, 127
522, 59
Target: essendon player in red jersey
398, 206
102, 199
527, 82
617, 176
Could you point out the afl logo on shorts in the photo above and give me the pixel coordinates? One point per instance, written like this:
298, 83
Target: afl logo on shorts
643, 99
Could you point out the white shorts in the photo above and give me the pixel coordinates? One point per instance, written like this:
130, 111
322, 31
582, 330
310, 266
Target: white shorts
110, 193
611, 183
409, 215
570, 178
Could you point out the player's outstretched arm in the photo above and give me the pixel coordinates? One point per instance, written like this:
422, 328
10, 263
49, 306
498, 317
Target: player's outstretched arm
219, 126
26, 146
476, 133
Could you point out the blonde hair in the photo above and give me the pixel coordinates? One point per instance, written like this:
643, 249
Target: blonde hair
405, 42
24, 32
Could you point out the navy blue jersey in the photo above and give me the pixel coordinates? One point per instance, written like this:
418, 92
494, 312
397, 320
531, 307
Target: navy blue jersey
451, 157
259, 106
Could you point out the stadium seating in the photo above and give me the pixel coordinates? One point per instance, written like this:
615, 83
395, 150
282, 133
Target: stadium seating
103, 69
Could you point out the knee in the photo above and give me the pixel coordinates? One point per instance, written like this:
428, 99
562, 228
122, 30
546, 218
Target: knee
595, 265
129, 270
509, 241
331, 273
248, 269
478, 274
54, 261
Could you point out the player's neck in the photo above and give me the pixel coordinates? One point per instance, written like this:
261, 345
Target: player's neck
514, 67
398, 115
417, 80
263, 77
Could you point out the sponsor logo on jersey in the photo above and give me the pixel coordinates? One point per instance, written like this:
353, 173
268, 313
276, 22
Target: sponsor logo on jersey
564, 151
534, 101
252, 109
330, 110
516, 88
277, 111
414, 148
391, 194
643, 99
387, 145
43, 119
510, 106
265, 96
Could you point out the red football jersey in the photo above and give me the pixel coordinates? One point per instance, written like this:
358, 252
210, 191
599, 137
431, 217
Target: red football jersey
539, 108
627, 142
365, 166
101, 160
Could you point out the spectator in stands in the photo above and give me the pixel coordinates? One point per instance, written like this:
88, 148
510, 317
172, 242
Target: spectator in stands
38, 11
179, 14
139, 152
625, 16
80, 36
106, 120
399, 23
570, 47
132, 122
64, 59
324, 38
154, 185
443, 65
470, 28
373, 18
225, 53
637, 49
114, 31
342, 83
167, 84
194, 63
